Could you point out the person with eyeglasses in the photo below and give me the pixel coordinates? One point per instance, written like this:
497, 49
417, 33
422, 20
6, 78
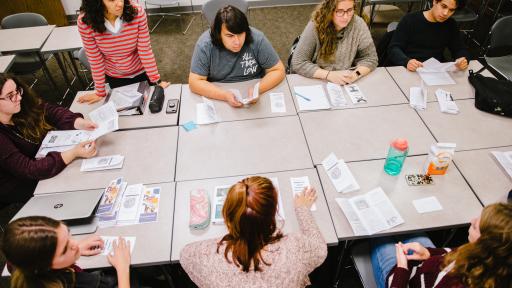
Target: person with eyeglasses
24, 122
336, 45
423, 35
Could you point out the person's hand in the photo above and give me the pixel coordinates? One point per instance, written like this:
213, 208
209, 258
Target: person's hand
401, 257
91, 245
250, 93
419, 252
164, 84
90, 98
121, 258
339, 77
231, 99
82, 124
461, 63
86, 149
306, 198
413, 65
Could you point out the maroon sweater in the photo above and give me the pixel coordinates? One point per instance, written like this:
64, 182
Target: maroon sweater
423, 271
19, 170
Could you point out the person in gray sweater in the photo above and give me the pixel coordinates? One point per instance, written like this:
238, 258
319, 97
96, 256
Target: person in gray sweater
336, 45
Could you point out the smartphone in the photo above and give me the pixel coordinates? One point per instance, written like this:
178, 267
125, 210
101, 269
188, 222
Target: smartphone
172, 106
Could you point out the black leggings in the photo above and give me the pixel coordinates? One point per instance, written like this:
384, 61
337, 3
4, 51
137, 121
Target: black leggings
118, 82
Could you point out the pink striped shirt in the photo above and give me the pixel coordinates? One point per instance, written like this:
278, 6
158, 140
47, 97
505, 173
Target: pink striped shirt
121, 55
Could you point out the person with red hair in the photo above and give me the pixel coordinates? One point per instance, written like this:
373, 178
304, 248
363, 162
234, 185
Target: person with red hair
254, 253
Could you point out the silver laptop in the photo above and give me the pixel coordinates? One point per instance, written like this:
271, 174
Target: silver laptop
75, 208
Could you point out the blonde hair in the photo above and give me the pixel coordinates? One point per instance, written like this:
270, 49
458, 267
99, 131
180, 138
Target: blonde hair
487, 262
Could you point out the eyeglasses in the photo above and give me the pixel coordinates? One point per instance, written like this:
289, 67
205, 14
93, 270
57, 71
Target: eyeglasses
12, 95
341, 12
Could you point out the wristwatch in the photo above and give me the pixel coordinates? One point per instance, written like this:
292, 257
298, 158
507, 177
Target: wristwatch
358, 73
158, 82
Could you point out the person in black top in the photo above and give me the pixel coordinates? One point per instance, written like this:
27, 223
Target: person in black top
425, 34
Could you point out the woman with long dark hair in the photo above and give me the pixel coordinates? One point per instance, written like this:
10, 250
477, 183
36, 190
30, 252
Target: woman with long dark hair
41, 253
117, 44
24, 122
254, 253
336, 45
486, 261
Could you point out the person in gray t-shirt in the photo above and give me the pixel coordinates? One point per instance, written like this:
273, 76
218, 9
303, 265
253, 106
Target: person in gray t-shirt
231, 51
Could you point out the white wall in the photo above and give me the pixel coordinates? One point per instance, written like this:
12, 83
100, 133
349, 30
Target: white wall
70, 6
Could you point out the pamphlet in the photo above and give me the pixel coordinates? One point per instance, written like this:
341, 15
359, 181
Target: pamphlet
220, 194
446, 103
355, 94
418, 97
108, 242
150, 202
130, 203
113, 192
277, 104
339, 174
336, 95
370, 213
298, 185
102, 163
206, 113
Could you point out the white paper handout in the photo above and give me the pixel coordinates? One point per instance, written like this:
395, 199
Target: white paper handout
219, 196
311, 97
336, 95
339, 174
446, 103
107, 119
206, 113
428, 204
108, 242
355, 94
61, 138
277, 104
505, 160
418, 97
434, 72
373, 210
298, 185
102, 163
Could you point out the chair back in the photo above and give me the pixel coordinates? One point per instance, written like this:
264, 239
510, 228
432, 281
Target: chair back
501, 32
82, 57
211, 7
22, 20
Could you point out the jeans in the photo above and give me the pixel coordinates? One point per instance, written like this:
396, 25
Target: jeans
383, 253
118, 82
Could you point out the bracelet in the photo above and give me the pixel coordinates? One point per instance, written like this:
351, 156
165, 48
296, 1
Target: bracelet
328, 71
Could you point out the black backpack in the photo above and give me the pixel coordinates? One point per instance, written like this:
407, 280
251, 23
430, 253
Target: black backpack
492, 95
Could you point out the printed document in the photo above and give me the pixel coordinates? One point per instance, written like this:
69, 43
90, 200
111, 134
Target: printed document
428, 204
505, 160
311, 97
336, 95
339, 174
373, 211
277, 104
206, 113
446, 103
298, 186
434, 72
102, 163
109, 243
418, 98
355, 94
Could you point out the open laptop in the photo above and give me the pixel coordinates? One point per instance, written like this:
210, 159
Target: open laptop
77, 209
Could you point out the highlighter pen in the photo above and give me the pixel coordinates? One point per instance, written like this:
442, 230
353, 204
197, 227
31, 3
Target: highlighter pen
303, 97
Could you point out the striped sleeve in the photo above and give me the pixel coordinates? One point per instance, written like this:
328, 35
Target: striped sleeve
144, 47
94, 55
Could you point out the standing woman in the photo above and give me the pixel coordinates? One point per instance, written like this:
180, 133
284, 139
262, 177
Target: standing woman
254, 253
116, 40
336, 45
24, 122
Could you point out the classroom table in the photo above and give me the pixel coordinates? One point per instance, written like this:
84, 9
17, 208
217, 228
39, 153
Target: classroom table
150, 157
146, 120
484, 174
64, 39
378, 87
461, 90
153, 240
242, 147
261, 109
458, 201
6, 62
182, 234
364, 133
28, 39
470, 129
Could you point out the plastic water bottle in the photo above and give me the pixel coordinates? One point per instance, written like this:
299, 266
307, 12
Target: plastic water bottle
396, 156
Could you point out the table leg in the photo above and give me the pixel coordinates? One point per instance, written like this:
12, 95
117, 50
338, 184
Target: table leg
63, 70
47, 72
75, 67
341, 262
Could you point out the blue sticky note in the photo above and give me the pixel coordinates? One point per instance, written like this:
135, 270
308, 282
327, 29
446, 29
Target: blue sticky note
190, 125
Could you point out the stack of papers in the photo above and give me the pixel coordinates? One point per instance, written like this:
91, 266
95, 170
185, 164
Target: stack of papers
505, 160
370, 213
105, 117
339, 174
102, 163
446, 103
124, 204
246, 99
434, 72
336, 95
299, 184
418, 98
206, 112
